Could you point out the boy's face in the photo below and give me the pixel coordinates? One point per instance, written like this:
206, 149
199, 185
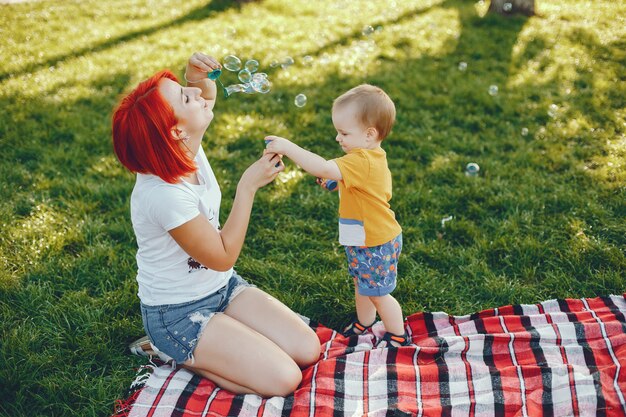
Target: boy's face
351, 134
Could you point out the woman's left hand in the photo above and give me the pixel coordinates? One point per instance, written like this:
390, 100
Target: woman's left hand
199, 65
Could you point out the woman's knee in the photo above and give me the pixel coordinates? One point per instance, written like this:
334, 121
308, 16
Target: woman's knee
284, 380
308, 351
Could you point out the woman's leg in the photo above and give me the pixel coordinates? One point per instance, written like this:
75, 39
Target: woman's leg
242, 360
365, 309
274, 320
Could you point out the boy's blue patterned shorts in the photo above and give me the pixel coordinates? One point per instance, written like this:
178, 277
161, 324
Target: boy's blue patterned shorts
375, 268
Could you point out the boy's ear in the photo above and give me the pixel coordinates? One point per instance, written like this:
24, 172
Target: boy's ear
372, 133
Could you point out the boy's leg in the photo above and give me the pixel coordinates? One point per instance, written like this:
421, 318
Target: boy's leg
390, 313
365, 309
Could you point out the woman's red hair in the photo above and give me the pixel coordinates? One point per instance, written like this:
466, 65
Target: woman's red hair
142, 133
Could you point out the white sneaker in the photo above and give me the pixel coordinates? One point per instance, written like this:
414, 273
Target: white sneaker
144, 347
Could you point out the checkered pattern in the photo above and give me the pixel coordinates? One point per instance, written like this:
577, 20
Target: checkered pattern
556, 358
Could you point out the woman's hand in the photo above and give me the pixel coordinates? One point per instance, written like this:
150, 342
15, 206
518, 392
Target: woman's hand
199, 65
262, 172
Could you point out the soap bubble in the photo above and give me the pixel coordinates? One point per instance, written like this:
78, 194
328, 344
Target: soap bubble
300, 100
260, 83
307, 60
493, 90
367, 30
232, 63
252, 65
507, 7
244, 76
524, 131
274, 64
471, 169
287, 62
462, 66
553, 110
234, 88
262, 86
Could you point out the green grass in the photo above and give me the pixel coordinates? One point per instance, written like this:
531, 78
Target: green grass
544, 219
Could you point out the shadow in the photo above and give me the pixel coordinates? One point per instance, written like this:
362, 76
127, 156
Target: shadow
200, 13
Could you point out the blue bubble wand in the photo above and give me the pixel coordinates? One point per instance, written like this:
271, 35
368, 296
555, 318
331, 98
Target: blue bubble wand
215, 76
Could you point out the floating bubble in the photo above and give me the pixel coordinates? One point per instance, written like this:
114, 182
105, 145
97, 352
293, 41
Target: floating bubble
300, 100
252, 65
379, 29
234, 88
232, 63
367, 30
507, 7
307, 60
287, 62
553, 110
244, 76
274, 64
471, 169
493, 90
260, 83
524, 131
230, 32
462, 66
262, 87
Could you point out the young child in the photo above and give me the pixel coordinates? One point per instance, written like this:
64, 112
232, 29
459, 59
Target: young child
372, 237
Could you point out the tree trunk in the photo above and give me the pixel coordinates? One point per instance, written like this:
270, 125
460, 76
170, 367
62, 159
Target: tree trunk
510, 7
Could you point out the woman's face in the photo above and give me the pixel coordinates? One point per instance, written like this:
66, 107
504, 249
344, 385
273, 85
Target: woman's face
191, 110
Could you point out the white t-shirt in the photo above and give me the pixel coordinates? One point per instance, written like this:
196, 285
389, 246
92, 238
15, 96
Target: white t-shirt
166, 273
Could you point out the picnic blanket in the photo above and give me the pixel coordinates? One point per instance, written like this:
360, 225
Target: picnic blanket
555, 358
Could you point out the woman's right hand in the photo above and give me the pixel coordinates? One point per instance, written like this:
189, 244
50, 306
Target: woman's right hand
262, 172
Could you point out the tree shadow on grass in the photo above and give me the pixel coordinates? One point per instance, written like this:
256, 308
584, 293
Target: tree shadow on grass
212, 8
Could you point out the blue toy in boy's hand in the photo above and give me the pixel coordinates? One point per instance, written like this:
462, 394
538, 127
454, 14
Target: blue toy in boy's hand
267, 141
330, 185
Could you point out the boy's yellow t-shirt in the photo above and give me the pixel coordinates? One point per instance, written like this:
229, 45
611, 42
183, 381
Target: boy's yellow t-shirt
365, 216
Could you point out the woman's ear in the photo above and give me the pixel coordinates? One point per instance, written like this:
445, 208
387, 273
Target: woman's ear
179, 134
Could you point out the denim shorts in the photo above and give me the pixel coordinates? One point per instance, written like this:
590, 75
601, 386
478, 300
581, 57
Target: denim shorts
175, 328
375, 268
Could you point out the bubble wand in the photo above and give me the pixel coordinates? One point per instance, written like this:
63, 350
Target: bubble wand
215, 76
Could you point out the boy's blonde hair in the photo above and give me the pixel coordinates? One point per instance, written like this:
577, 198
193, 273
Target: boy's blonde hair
374, 107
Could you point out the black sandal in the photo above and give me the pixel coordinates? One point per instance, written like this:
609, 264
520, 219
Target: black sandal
350, 328
393, 340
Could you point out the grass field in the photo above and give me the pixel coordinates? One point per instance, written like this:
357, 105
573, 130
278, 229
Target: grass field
545, 217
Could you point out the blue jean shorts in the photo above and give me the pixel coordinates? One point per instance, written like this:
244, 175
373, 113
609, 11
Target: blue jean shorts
175, 328
375, 268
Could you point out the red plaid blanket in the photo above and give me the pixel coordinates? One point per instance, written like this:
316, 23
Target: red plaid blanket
556, 358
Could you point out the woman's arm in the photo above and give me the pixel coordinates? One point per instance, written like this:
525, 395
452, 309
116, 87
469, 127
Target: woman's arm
196, 75
219, 250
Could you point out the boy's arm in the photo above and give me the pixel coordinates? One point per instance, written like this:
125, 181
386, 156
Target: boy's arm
308, 161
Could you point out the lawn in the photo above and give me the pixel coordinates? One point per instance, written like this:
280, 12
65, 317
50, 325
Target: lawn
544, 217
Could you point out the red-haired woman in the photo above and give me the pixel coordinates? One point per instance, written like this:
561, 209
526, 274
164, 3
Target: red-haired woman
195, 308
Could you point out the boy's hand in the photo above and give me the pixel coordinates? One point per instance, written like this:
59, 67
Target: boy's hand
278, 145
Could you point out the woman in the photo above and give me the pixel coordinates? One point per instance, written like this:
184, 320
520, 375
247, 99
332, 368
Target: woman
194, 307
